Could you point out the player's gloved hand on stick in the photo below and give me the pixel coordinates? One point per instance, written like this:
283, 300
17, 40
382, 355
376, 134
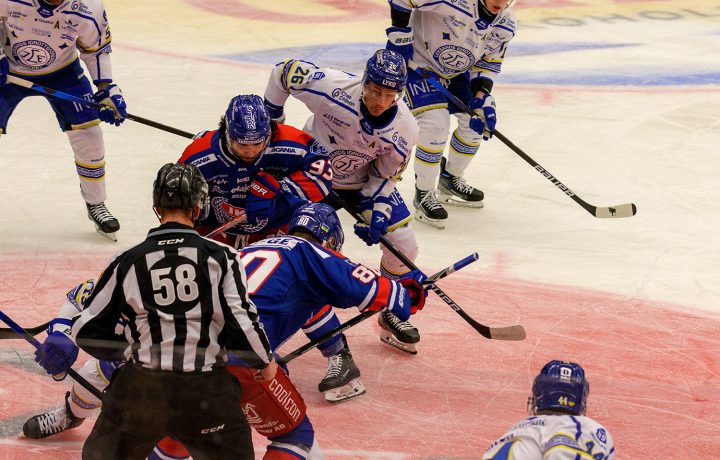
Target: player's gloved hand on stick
277, 112
260, 203
114, 110
413, 281
58, 352
377, 217
483, 124
4, 70
400, 40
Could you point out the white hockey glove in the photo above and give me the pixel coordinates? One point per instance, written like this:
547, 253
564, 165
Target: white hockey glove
484, 122
400, 40
114, 109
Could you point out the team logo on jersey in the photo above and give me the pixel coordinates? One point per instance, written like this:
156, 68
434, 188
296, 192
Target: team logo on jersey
225, 212
453, 59
33, 54
601, 435
346, 162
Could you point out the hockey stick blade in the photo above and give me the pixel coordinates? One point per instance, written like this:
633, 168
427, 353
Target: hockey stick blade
514, 333
482, 329
623, 210
7, 333
366, 314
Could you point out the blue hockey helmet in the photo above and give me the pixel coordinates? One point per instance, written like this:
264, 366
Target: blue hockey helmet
386, 68
561, 386
247, 120
321, 221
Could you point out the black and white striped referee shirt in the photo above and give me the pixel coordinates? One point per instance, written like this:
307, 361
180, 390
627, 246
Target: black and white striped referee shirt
184, 301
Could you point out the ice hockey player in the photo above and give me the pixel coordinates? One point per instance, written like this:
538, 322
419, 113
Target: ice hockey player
557, 428
262, 170
323, 276
462, 45
258, 169
41, 40
369, 133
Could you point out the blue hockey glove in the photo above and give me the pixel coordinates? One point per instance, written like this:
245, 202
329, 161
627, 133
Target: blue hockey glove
4, 70
400, 40
260, 203
377, 217
277, 112
484, 124
58, 352
114, 110
413, 281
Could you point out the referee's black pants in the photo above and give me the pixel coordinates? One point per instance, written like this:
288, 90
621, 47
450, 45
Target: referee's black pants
142, 406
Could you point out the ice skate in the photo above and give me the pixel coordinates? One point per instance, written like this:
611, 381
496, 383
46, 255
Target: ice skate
105, 223
342, 380
399, 334
53, 422
428, 209
455, 191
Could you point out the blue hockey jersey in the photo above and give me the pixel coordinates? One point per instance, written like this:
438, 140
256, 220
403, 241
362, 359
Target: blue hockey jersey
289, 279
292, 156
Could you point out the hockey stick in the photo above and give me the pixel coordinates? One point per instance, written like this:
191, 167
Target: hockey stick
621, 210
498, 333
69, 97
367, 314
34, 342
8, 333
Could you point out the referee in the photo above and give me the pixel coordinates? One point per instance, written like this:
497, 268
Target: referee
185, 304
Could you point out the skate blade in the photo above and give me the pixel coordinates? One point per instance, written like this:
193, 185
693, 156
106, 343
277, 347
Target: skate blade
344, 393
111, 236
453, 200
390, 339
437, 223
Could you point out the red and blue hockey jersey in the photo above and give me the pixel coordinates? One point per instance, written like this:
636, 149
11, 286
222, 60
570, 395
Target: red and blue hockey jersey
289, 279
294, 157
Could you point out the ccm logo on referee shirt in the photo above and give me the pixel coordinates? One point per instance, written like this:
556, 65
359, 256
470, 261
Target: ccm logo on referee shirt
213, 429
172, 241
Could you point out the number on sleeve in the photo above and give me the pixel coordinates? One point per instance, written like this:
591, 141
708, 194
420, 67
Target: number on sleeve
364, 274
321, 168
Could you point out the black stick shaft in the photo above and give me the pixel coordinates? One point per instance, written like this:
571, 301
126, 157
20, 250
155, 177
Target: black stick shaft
35, 343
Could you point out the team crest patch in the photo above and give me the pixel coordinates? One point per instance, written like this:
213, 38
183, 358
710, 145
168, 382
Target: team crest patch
33, 54
453, 59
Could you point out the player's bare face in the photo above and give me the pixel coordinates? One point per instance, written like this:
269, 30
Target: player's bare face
496, 6
248, 153
378, 99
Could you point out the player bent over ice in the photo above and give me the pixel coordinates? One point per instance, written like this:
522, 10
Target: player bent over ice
557, 428
41, 41
259, 172
289, 279
369, 133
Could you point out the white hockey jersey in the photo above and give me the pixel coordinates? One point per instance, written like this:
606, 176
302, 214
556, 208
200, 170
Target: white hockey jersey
554, 437
363, 157
39, 40
450, 37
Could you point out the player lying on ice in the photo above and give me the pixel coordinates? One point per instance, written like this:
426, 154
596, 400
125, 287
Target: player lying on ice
289, 278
